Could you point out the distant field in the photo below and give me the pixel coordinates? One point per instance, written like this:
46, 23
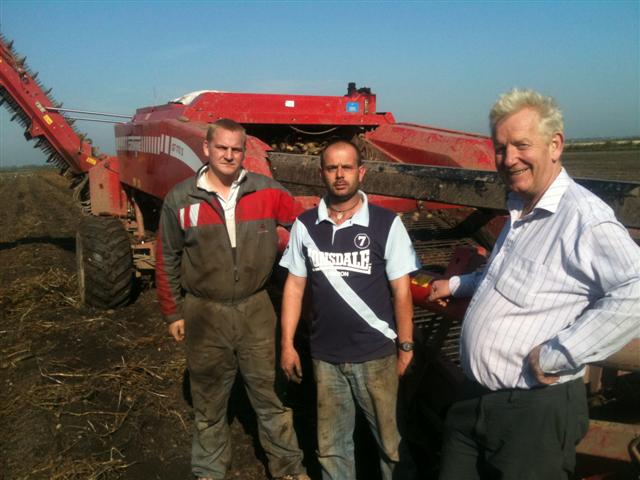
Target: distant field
602, 145
622, 165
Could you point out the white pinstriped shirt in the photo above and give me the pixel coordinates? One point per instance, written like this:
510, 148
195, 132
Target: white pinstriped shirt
566, 275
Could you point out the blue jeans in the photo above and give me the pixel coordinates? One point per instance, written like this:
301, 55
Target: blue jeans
374, 385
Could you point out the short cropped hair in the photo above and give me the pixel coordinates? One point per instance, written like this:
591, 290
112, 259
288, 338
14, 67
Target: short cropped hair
551, 121
341, 142
229, 125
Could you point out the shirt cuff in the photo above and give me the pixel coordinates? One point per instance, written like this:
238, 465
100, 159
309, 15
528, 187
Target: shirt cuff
172, 317
462, 285
554, 358
454, 285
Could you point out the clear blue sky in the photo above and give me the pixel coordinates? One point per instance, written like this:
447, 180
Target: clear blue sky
434, 63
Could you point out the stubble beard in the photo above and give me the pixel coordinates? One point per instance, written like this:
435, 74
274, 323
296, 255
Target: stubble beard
335, 198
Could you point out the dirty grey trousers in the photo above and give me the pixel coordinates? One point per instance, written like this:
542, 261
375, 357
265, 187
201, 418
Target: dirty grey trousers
220, 340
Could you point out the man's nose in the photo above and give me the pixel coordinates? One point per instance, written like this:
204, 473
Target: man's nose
228, 153
339, 172
510, 155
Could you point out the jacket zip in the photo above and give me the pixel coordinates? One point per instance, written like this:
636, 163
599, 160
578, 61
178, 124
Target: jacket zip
220, 211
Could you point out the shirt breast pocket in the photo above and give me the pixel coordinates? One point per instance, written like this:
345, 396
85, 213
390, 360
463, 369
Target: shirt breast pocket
519, 280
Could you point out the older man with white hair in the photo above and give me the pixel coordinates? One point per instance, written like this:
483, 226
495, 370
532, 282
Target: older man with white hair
561, 289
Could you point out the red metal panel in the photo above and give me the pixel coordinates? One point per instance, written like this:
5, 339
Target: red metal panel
307, 202
255, 159
154, 156
107, 196
465, 259
256, 108
407, 143
608, 440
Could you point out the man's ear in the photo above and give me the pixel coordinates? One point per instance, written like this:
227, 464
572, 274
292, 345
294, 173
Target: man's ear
556, 146
361, 171
205, 148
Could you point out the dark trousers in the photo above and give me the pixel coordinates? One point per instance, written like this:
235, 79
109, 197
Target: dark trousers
222, 339
515, 434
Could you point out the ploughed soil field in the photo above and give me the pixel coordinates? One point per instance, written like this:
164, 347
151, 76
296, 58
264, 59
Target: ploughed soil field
86, 393
621, 165
90, 394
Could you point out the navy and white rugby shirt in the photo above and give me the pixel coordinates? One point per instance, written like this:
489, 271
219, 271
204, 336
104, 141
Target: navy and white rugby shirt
350, 266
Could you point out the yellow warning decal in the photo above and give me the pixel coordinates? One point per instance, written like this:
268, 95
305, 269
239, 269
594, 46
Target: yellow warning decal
48, 119
422, 279
91, 160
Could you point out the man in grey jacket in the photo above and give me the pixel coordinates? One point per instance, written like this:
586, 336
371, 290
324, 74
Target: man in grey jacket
217, 245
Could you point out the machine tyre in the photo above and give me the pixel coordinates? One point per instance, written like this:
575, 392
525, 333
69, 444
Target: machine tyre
104, 263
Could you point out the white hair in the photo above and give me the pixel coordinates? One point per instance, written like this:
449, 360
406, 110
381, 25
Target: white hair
551, 121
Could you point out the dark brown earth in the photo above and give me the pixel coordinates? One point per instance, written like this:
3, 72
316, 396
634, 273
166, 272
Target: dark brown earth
85, 393
89, 394
94, 394
621, 165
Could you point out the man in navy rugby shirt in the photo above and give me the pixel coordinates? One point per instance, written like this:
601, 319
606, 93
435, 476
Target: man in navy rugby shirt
357, 257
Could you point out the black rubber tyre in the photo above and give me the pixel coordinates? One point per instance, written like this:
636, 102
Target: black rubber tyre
104, 262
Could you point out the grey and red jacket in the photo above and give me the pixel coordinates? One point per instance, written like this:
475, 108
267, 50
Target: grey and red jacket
194, 254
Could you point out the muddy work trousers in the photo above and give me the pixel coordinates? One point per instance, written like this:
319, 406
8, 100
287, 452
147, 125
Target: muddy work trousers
515, 434
374, 386
220, 340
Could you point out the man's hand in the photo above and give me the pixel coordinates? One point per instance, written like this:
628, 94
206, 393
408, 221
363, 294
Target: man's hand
290, 363
533, 360
404, 359
176, 330
439, 291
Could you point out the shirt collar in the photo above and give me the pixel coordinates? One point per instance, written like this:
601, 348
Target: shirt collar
361, 217
549, 201
202, 183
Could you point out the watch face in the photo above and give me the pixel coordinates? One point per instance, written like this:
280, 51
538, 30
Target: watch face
406, 346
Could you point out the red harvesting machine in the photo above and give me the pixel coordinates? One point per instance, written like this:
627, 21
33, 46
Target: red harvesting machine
443, 184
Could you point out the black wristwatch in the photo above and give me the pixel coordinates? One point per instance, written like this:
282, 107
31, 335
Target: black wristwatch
406, 346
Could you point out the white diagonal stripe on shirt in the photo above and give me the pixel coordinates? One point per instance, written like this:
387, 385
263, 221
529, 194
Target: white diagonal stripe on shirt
349, 296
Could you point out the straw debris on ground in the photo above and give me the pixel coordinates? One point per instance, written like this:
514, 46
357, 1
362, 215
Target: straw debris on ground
85, 394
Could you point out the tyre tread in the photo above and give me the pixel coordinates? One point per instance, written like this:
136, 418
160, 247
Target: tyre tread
107, 262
